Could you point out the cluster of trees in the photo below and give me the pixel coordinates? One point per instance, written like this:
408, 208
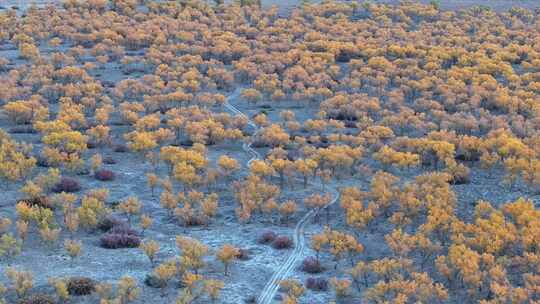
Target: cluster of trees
22, 281
16, 161
394, 92
433, 253
379, 92
187, 266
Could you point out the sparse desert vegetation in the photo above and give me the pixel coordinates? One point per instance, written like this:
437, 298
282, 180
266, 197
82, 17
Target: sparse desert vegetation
216, 152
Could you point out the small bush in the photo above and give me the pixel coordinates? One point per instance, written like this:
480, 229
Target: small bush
114, 204
117, 240
471, 157
460, 174
83, 171
80, 286
41, 201
42, 162
123, 229
321, 145
243, 254
121, 148
108, 84
460, 180
109, 160
152, 281
186, 143
317, 284
267, 237
91, 145
108, 223
311, 265
351, 124
104, 175
195, 220
38, 299
67, 184
282, 242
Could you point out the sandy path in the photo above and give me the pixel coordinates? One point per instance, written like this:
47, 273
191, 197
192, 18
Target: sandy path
284, 271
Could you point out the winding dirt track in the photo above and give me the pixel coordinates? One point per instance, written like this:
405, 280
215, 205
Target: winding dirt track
285, 269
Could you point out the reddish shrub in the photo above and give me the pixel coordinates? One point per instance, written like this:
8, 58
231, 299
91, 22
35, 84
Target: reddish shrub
311, 265
104, 175
267, 237
109, 223
67, 184
123, 229
317, 284
117, 240
282, 242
